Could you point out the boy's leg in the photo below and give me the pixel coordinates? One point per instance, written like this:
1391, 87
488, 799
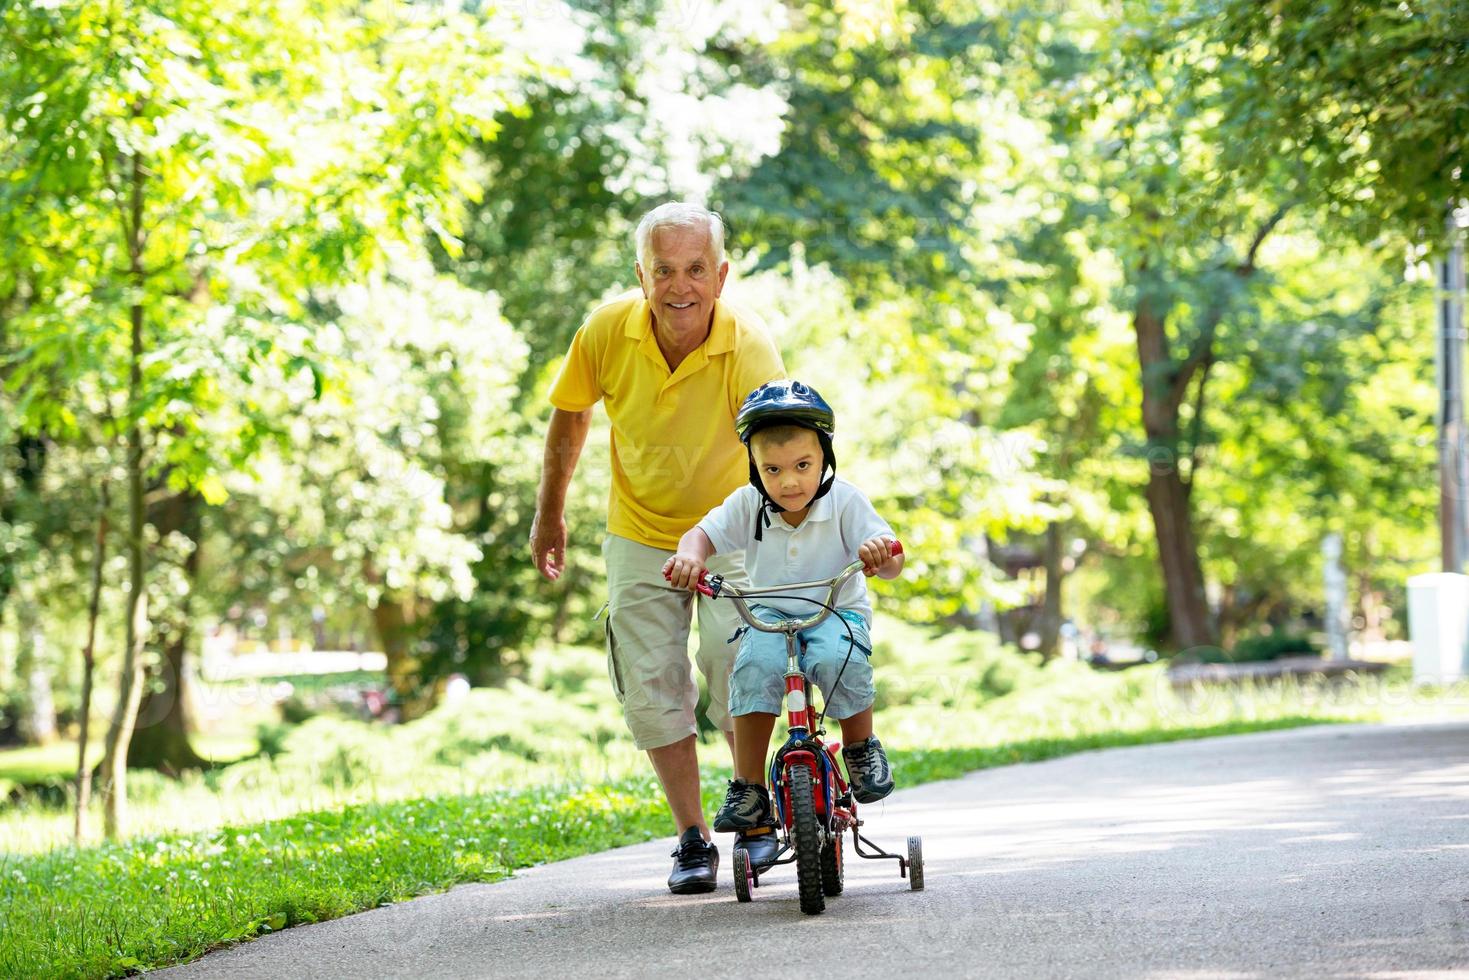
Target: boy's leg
849, 700
845, 682
754, 699
747, 808
752, 743
858, 727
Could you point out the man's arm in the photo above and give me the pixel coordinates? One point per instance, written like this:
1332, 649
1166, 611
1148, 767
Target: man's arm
565, 438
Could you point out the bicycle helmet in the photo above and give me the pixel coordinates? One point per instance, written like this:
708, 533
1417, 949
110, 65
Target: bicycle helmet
786, 403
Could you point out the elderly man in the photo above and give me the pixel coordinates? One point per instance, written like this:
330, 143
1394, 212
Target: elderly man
672, 362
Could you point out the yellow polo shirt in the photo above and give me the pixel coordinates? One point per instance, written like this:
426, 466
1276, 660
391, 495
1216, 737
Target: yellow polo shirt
675, 456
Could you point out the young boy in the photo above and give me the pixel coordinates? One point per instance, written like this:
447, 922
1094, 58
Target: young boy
822, 522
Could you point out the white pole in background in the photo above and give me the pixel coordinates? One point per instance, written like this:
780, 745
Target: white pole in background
1338, 619
1453, 466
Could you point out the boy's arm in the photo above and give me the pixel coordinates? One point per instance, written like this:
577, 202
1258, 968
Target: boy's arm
687, 565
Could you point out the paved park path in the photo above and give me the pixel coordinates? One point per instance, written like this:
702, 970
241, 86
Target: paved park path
1334, 851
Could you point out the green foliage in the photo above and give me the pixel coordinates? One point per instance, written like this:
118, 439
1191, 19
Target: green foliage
945, 669
1365, 101
950, 213
154, 901
1269, 646
883, 136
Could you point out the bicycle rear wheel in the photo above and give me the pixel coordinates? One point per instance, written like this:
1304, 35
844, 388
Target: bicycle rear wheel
807, 832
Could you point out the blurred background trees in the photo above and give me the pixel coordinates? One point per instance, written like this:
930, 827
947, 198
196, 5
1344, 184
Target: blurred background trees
1122, 308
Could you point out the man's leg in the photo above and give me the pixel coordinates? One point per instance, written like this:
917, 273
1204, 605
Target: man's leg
648, 660
718, 623
677, 766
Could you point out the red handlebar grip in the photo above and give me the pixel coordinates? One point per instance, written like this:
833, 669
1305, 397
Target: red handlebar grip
702, 586
897, 547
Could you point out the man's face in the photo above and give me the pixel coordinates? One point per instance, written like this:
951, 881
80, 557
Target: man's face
682, 280
791, 470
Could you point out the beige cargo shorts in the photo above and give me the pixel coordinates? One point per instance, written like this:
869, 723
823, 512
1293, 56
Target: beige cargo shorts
648, 643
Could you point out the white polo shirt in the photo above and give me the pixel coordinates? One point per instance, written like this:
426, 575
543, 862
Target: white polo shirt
824, 544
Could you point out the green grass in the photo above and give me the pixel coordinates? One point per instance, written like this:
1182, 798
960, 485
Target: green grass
357, 816
111, 909
41, 763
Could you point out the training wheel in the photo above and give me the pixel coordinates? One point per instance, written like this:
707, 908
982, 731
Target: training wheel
744, 877
915, 863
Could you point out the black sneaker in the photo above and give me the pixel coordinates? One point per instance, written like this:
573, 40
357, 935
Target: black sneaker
867, 764
746, 806
695, 864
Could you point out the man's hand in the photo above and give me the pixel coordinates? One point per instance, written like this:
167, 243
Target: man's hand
875, 554
683, 571
548, 544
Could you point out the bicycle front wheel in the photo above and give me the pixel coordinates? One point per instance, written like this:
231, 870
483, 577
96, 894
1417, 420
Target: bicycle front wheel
807, 832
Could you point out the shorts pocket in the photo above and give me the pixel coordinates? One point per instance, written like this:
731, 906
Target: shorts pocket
614, 669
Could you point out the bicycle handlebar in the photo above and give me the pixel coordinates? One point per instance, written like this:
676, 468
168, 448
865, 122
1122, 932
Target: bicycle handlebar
714, 587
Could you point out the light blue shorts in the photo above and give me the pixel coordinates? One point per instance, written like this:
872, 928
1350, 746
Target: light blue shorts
758, 682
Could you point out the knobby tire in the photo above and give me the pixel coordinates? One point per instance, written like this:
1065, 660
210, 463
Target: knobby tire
833, 870
808, 840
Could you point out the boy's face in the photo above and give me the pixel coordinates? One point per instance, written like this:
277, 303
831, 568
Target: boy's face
791, 470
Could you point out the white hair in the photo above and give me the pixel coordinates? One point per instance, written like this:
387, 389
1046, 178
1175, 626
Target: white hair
678, 214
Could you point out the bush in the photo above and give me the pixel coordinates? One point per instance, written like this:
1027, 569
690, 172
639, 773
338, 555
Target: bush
954, 669
1259, 648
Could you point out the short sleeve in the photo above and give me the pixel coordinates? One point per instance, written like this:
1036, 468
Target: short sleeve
757, 360
576, 387
731, 524
860, 522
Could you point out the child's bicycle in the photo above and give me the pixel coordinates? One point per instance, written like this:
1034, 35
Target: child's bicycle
807, 782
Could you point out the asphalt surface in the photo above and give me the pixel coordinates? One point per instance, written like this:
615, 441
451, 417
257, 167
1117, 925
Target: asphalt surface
1335, 851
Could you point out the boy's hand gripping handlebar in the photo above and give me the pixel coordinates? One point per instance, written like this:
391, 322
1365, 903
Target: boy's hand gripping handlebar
714, 586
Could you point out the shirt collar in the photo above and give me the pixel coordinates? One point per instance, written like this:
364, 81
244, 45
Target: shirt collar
639, 326
820, 511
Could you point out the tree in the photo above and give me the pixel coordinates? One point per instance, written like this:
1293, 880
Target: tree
899, 145
1174, 138
199, 170
354, 509
1367, 100
640, 103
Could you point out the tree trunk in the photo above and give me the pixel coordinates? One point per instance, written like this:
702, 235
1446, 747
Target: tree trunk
89, 664
1183, 578
130, 685
393, 618
1050, 625
165, 717
1191, 624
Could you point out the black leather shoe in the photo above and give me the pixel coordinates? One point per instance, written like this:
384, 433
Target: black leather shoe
762, 848
695, 864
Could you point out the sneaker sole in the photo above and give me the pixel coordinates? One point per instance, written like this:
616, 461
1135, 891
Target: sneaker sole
872, 799
728, 827
693, 887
